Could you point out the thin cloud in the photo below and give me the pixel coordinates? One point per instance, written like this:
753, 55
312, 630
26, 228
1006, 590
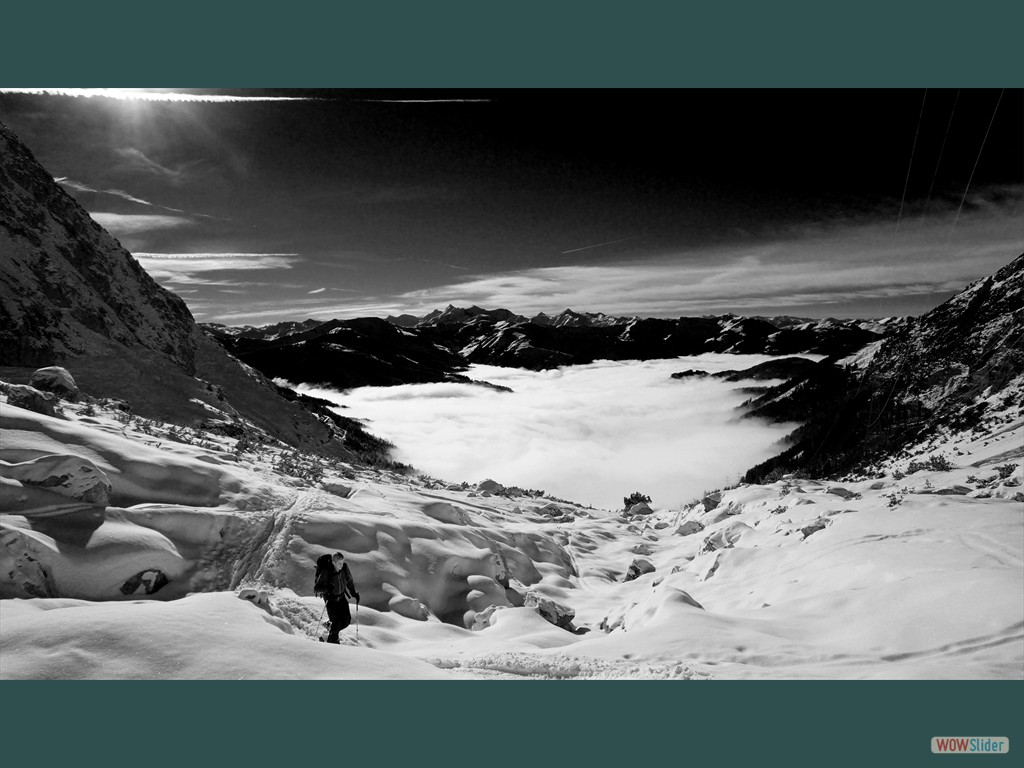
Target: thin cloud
64, 181
133, 224
137, 160
426, 101
141, 94
318, 290
861, 263
602, 245
190, 268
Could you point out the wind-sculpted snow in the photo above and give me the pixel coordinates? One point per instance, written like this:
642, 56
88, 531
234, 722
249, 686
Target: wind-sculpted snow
908, 573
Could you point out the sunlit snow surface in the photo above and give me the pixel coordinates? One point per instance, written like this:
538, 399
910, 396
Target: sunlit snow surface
912, 577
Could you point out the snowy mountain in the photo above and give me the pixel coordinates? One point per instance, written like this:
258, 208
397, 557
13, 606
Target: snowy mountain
938, 371
174, 536
440, 344
70, 295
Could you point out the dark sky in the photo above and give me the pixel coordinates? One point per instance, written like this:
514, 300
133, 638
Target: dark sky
653, 202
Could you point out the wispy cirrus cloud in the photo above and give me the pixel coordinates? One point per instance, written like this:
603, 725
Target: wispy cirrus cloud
79, 186
868, 263
144, 94
188, 267
137, 160
120, 224
426, 101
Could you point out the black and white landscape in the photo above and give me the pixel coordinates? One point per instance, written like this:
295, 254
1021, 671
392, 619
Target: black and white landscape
586, 385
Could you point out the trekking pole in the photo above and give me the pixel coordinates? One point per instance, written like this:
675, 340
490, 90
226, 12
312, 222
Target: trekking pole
320, 620
357, 621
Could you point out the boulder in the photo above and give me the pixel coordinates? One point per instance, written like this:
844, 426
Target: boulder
660, 525
68, 475
638, 568
640, 508
56, 380
642, 549
712, 500
952, 490
689, 527
31, 399
515, 597
842, 492
338, 489
550, 509
817, 525
556, 613
490, 486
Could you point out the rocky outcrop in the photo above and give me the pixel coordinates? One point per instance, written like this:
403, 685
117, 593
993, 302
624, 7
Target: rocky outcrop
72, 296
56, 380
935, 370
558, 614
689, 528
66, 285
31, 399
638, 568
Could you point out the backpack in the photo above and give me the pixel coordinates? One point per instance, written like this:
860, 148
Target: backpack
323, 578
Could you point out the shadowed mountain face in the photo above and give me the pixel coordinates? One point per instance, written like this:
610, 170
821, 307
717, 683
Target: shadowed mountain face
436, 347
67, 287
936, 370
70, 295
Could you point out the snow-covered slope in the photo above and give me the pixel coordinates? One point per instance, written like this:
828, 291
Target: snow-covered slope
201, 566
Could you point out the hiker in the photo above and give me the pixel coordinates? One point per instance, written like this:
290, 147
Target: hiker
333, 582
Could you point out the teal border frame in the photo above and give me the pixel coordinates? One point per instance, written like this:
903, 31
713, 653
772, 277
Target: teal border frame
530, 44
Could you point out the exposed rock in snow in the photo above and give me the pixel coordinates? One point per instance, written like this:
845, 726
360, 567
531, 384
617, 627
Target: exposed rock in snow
56, 380
490, 486
842, 492
31, 399
146, 582
638, 568
712, 500
558, 614
640, 508
689, 527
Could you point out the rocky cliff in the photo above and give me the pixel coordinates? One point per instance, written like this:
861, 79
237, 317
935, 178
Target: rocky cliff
71, 295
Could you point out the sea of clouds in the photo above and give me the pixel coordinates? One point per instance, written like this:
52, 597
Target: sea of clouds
590, 433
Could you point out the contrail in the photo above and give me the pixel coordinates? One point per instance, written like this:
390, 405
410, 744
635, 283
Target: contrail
601, 245
426, 101
137, 94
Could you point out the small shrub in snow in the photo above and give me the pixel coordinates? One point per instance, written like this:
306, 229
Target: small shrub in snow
1005, 470
306, 468
936, 463
896, 497
88, 410
635, 498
